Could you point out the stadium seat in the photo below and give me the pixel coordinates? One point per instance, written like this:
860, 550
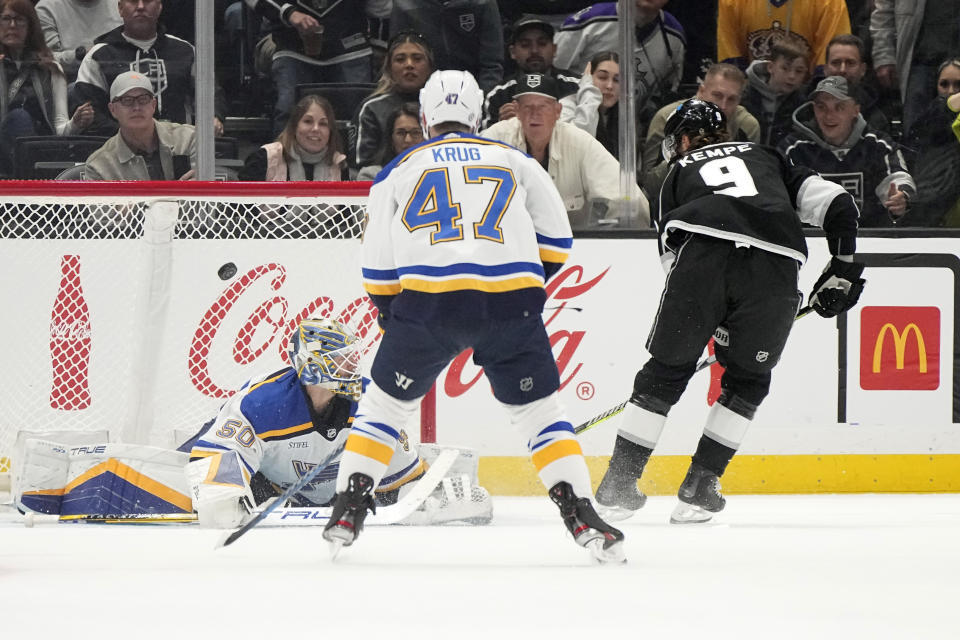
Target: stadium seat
29, 150
345, 97
72, 173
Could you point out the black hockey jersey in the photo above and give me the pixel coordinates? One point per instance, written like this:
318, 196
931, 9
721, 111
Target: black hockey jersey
749, 194
865, 165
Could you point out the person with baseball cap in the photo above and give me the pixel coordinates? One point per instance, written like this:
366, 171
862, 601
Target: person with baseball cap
831, 137
531, 48
143, 148
586, 175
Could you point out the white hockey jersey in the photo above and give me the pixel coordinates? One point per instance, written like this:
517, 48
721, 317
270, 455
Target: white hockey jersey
463, 229
271, 425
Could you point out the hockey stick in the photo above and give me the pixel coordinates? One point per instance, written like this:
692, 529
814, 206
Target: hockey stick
703, 364
280, 500
271, 516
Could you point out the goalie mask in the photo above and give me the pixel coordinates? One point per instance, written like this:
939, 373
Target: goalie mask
326, 353
450, 96
693, 118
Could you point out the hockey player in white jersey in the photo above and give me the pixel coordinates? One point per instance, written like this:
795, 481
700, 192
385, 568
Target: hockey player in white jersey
463, 232
281, 425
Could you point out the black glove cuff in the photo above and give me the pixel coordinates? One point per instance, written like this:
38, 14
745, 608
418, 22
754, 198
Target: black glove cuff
847, 270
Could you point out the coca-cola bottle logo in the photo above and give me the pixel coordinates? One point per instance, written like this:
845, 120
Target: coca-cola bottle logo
76, 330
70, 341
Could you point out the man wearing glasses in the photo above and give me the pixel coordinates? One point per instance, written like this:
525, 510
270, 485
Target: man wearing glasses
144, 148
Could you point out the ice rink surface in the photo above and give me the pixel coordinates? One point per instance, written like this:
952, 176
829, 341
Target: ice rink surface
837, 566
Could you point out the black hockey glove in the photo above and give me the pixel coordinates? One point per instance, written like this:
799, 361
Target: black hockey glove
838, 288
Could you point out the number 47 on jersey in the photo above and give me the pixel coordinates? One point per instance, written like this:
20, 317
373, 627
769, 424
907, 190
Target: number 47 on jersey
432, 204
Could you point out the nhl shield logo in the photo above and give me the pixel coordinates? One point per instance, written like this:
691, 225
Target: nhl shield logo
468, 22
331, 434
762, 356
526, 384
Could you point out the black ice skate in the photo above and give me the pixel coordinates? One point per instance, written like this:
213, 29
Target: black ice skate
699, 495
349, 512
618, 497
604, 542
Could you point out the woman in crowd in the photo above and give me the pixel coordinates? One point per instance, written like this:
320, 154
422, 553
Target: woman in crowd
406, 67
33, 90
405, 132
937, 165
605, 70
308, 148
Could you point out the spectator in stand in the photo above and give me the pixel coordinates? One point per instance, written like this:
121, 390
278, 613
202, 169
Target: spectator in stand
910, 40
722, 85
845, 57
71, 26
315, 42
937, 165
532, 48
747, 30
605, 74
141, 45
775, 90
406, 68
33, 91
143, 148
308, 148
659, 53
586, 175
405, 132
832, 138
465, 34
553, 12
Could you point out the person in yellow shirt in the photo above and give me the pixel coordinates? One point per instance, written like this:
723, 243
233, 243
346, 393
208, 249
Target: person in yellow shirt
747, 29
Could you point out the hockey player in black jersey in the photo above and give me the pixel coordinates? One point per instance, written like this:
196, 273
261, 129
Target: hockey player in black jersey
729, 220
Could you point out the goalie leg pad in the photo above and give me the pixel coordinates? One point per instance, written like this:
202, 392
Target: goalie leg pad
456, 499
105, 479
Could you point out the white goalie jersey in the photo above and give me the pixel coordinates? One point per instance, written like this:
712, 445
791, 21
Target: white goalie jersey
268, 436
270, 427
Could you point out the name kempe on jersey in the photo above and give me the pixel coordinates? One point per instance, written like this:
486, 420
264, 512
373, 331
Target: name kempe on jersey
745, 193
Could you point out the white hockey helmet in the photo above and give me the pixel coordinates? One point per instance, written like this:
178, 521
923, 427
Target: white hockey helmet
326, 353
450, 96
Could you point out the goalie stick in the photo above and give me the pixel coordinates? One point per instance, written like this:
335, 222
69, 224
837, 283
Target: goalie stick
703, 364
386, 515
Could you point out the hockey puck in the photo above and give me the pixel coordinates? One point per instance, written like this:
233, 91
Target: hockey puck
227, 271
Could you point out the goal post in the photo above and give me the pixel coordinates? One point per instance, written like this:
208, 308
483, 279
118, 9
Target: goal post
138, 308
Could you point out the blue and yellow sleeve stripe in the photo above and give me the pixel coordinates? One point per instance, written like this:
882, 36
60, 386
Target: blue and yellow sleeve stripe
555, 250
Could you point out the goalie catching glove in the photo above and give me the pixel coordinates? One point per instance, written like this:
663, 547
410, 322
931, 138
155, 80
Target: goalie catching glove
838, 288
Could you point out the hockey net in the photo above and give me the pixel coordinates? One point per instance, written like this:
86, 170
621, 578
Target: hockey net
138, 308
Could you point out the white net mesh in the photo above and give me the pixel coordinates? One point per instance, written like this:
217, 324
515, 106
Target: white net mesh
139, 312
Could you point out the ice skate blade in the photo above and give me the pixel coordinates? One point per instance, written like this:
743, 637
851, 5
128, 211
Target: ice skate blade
614, 513
685, 513
614, 554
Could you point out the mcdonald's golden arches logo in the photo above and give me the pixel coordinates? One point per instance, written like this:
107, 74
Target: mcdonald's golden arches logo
900, 348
